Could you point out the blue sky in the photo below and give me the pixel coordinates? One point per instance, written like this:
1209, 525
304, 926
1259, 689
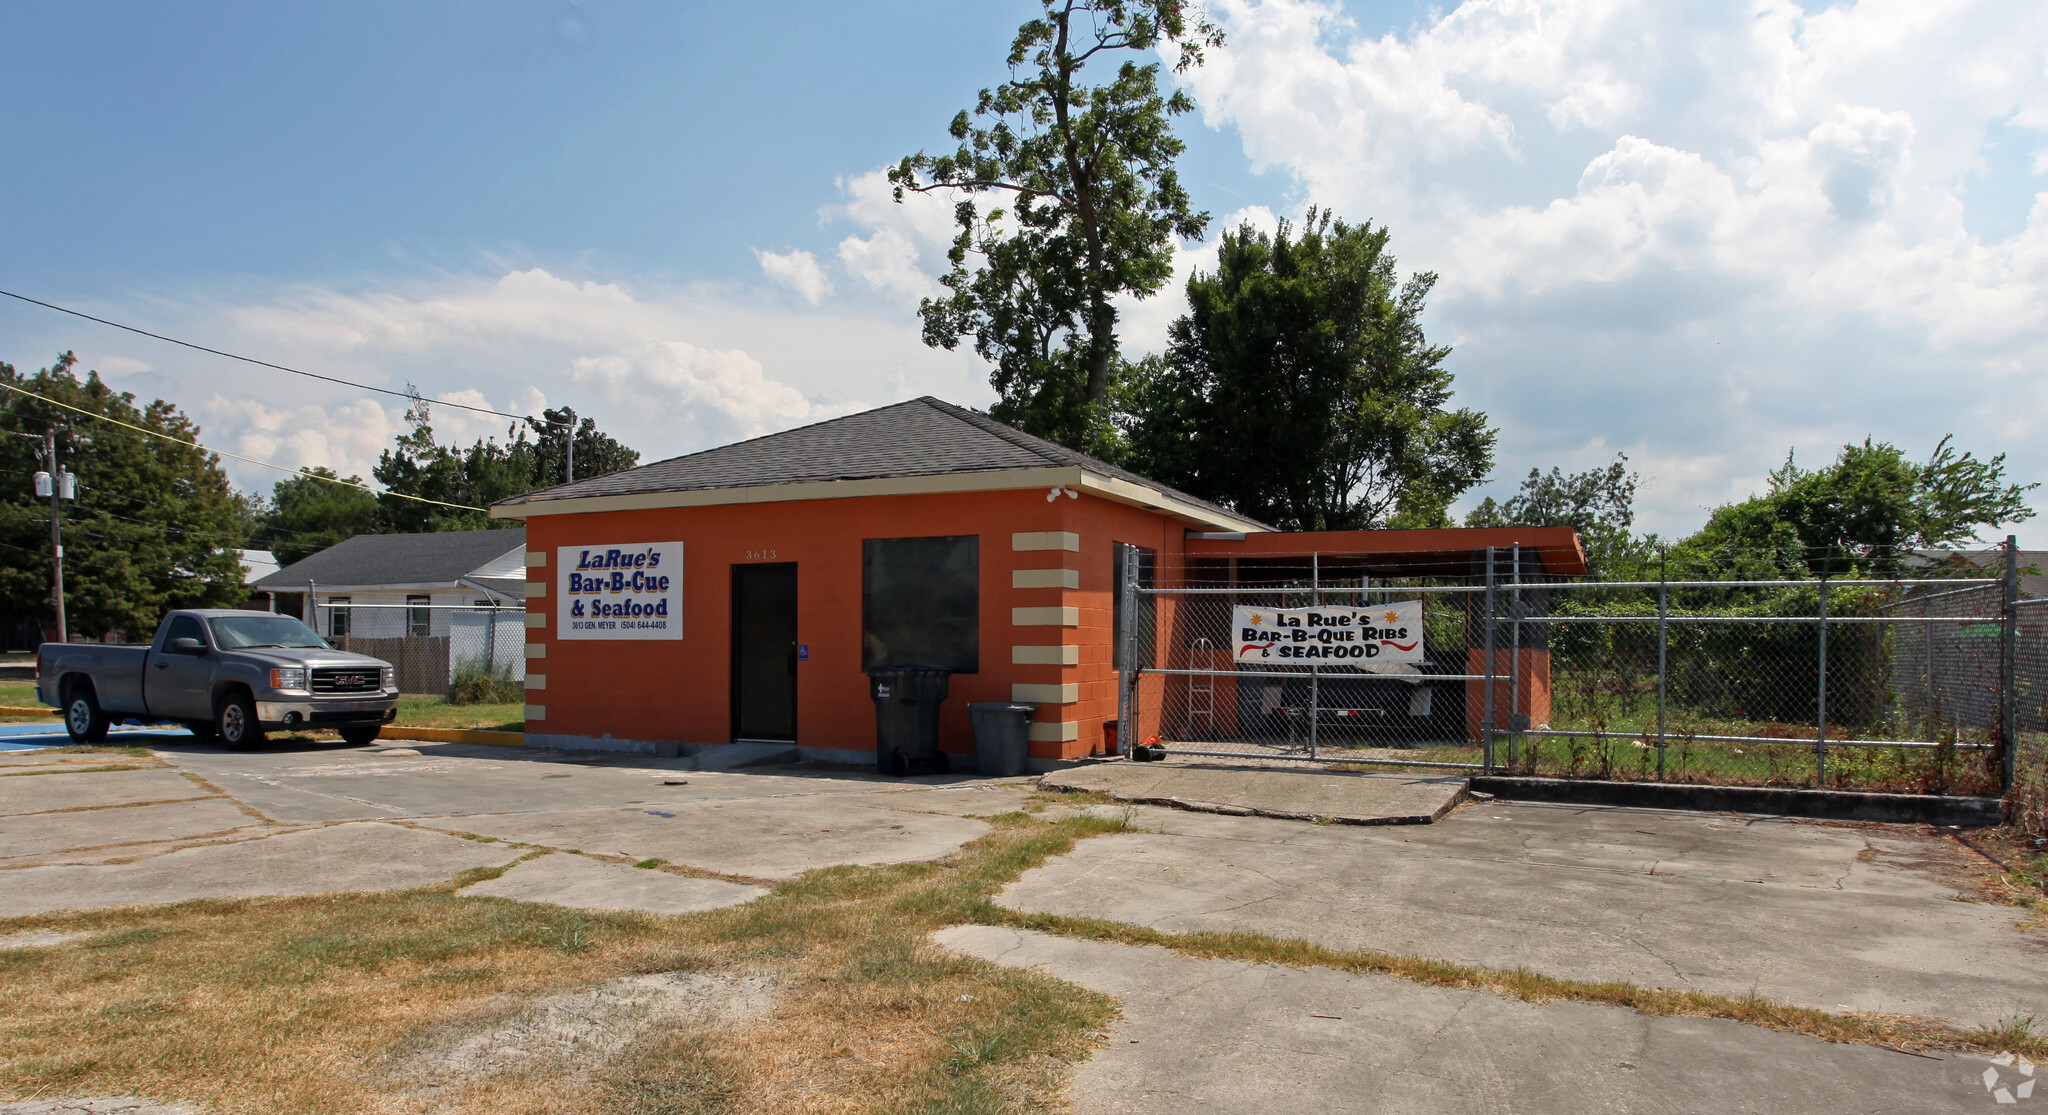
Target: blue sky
1699, 233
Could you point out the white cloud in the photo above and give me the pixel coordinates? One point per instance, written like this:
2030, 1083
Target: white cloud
797, 270
905, 249
666, 371
1698, 233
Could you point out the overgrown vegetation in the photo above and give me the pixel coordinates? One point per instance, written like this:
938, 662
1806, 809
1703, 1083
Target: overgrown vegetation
478, 682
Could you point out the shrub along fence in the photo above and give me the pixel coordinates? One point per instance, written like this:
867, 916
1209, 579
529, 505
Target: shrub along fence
469, 654
1932, 685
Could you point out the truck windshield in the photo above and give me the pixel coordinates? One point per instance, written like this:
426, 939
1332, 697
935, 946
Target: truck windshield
238, 632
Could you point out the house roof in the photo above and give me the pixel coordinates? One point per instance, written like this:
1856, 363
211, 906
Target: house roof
922, 438
397, 559
2033, 566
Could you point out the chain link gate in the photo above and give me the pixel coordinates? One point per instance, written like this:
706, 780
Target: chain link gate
1182, 691
1929, 685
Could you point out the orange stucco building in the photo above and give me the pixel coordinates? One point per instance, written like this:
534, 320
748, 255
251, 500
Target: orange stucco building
772, 572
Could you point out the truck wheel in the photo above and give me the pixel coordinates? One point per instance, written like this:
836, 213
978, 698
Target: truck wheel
236, 722
357, 735
84, 720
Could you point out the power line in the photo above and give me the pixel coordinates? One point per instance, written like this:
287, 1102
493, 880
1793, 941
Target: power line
260, 363
237, 456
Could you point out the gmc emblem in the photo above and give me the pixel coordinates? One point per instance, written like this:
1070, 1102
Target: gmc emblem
350, 681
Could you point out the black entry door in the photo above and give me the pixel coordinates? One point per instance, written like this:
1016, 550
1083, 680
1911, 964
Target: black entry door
764, 651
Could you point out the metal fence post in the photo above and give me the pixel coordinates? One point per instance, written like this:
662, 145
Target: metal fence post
1515, 655
1663, 656
2008, 668
1127, 673
1820, 743
1486, 716
1315, 672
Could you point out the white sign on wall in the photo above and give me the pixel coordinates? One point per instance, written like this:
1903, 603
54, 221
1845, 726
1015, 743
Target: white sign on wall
1329, 636
620, 592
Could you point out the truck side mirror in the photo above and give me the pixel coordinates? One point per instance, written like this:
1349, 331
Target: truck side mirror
187, 646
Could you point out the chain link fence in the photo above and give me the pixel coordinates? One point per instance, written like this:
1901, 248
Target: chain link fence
1932, 685
467, 653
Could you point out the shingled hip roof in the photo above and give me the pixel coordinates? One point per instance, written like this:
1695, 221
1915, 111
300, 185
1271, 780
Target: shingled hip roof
925, 437
368, 560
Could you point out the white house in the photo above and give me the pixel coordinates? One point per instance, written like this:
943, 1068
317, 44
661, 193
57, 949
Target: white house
465, 590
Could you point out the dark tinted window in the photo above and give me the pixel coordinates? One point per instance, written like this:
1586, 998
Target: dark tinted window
234, 632
183, 627
921, 603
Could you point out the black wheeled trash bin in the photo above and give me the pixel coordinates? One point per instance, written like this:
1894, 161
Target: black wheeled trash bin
907, 700
1002, 735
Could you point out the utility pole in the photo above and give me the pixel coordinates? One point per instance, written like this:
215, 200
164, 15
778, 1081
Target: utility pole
59, 486
571, 477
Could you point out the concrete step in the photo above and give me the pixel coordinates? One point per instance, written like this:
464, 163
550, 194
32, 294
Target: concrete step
1290, 793
733, 756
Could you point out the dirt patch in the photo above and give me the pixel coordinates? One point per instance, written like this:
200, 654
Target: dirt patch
568, 1033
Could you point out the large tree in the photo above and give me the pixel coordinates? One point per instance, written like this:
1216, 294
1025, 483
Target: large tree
154, 525
1093, 207
1599, 503
484, 473
309, 512
1300, 389
1867, 510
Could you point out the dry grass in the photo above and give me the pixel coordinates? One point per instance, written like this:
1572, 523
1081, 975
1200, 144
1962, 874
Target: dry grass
302, 1004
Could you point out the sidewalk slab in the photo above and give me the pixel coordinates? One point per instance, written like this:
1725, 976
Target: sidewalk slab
359, 856
1233, 1038
1288, 793
1819, 916
583, 883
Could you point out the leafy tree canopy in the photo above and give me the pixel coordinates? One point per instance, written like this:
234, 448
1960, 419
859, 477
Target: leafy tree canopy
1094, 206
1866, 510
155, 525
1301, 391
1599, 503
485, 472
308, 513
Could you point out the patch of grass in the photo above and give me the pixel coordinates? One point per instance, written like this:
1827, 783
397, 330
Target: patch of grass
650, 864
437, 712
278, 1004
18, 693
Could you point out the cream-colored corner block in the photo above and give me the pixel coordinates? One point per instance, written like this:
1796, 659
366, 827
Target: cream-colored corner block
536, 588
536, 712
536, 619
536, 650
1045, 578
1025, 540
1045, 656
1034, 694
1045, 617
1050, 733
536, 558
536, 681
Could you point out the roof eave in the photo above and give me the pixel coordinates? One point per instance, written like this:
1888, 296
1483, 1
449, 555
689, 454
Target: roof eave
1071, 476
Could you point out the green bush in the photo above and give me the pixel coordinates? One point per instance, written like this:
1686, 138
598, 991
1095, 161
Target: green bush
477, 683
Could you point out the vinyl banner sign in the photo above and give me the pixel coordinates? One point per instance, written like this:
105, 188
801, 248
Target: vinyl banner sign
620, 592
1330, 636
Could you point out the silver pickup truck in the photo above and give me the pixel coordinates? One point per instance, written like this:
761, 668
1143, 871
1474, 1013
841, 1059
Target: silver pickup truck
225, 675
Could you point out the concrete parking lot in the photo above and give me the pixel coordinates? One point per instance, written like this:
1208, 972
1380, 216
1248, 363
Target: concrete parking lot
1862, 918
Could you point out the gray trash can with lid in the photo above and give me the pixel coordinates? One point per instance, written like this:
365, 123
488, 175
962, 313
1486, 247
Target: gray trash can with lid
1002, 737
907, 700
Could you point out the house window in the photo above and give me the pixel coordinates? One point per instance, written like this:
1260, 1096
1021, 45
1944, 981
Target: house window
1147, 606
337, 617
921, 603
419, 619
